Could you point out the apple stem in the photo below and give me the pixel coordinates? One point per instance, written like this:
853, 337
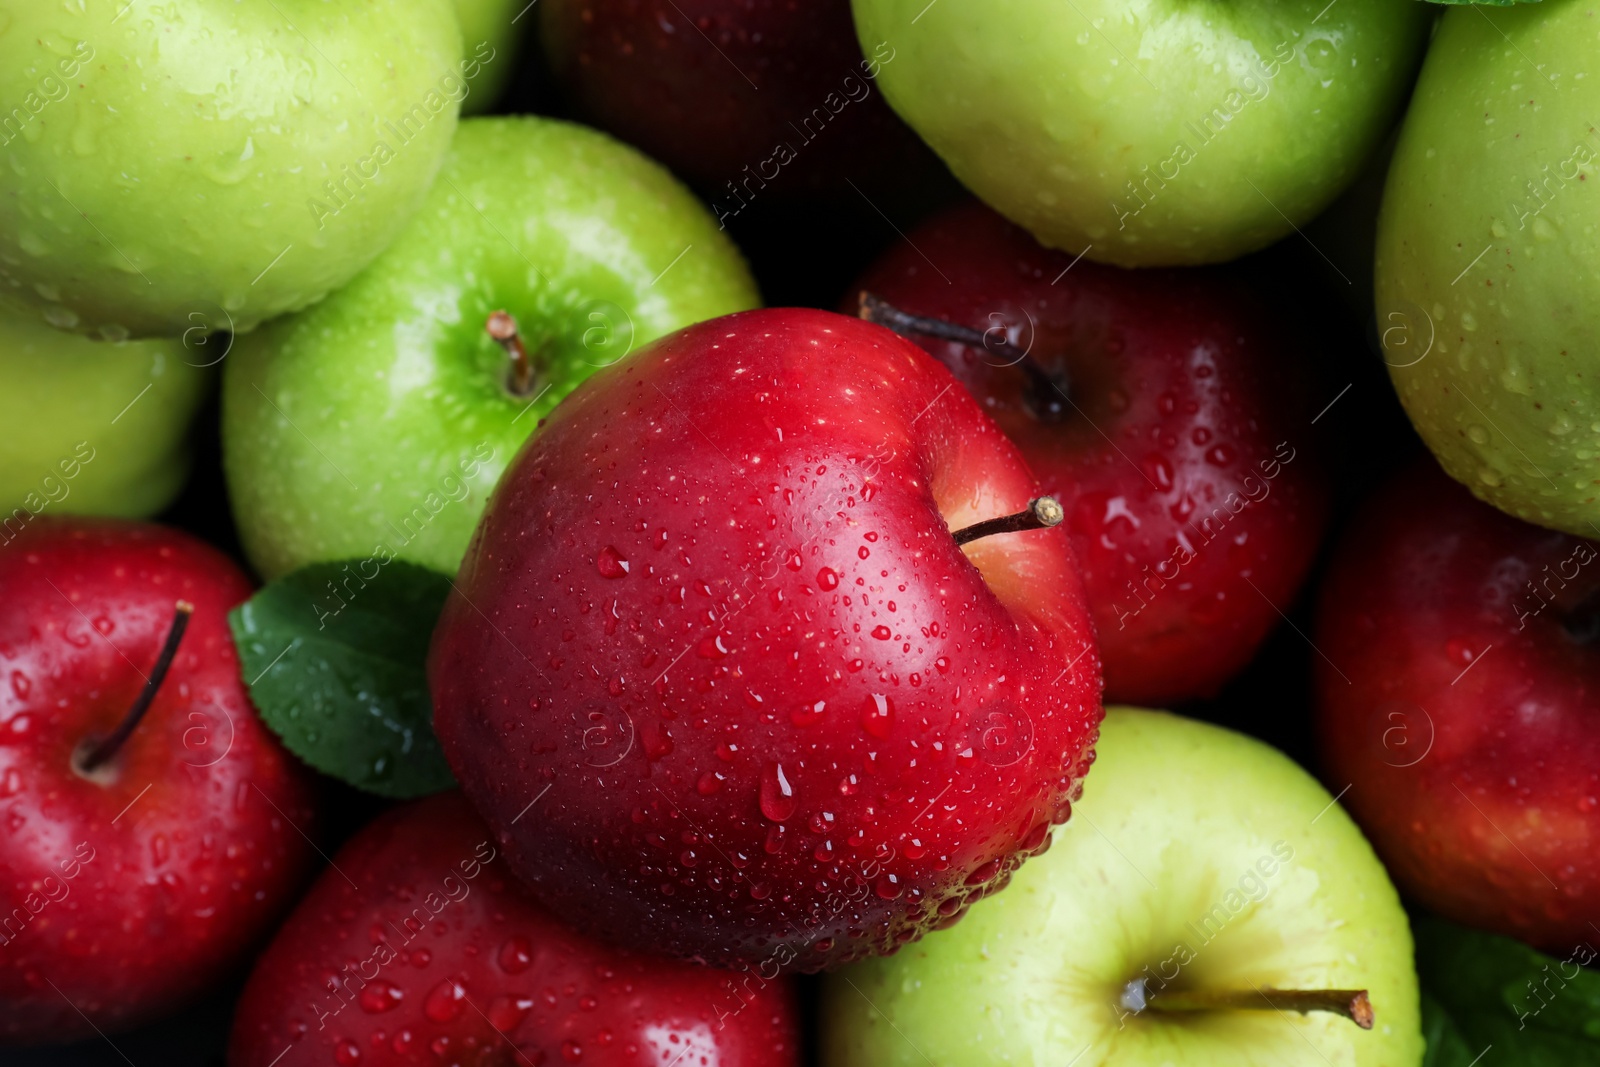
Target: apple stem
141, 704
1047, 391
1353, 1004
1040, 514
503, 328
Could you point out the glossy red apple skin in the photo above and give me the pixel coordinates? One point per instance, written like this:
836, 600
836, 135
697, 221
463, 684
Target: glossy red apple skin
714, 629
1477, 780
712, 87
182, 861
482, 975
1189, 398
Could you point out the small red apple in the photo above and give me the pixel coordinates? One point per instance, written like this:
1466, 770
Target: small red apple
1165, 410
721, 678
418, 947
749, 99
1458, 702
136, 868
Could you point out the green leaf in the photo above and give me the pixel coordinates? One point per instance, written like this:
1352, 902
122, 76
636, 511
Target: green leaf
335, 655
1480, 990
1486, 3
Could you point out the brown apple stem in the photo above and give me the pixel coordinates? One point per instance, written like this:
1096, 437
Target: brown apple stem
141, 704
1040, 514
1351, 1003
1046, 390
503, 328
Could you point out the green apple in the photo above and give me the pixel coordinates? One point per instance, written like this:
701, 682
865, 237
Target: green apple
93, 427
378, 421
1151, 132
491, 36
214, 158
1202, 868
1488, 269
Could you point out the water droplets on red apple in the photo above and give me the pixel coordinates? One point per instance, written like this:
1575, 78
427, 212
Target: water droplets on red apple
777, 795
877, 716
611, 563
444, 1002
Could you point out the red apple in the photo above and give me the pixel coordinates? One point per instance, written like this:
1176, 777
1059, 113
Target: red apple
747, 98
132, 886
417, 947
1166, 411
1458, 703
718, 674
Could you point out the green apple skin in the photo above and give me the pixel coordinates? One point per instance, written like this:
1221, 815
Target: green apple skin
1488, 263
1150, 132
211, 158
1177, 816
381, 417
489, 37
92, 427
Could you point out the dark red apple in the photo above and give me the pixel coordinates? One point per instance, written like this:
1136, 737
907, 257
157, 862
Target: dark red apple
718, 674
1166, 411
748, 99
1460, 703
418, 947
132, 886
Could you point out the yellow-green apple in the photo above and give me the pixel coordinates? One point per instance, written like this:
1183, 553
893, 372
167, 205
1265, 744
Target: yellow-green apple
491, 39
1208, 903
216, 159
1486, 265
1160, 132
94, 427
384, 415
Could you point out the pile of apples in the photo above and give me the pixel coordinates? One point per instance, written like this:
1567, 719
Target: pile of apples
445, 619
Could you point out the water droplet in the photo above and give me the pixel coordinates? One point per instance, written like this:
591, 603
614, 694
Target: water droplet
712, 648
10, 782
889, 887
806, 714
516, 955
778, 800
571, 1051
346, 1053
827, 579
380, 996
877, 718
21, 685
444, 1001
985, 873
881, 632
506, 1012
710, 782
610, 563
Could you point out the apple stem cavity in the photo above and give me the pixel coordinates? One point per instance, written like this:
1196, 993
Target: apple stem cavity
1047, 390
1353, 1004
100, 752
503, 328
1040, 514
1582, 623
